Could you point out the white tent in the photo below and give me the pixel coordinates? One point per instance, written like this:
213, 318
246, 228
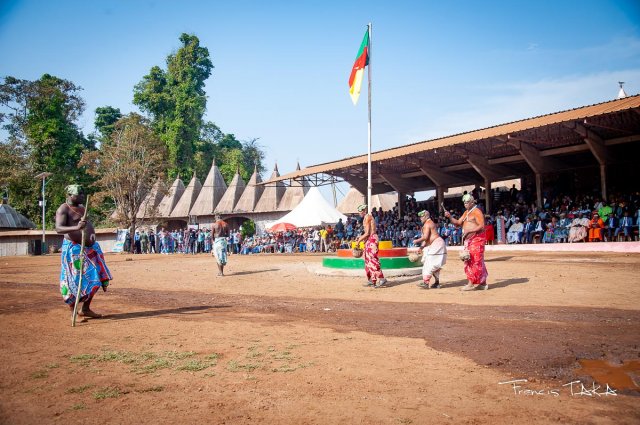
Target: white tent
313, 210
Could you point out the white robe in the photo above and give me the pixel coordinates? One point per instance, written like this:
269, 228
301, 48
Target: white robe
434, 257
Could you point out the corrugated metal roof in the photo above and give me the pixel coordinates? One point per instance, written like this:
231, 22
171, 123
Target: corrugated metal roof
12, 219
490, 132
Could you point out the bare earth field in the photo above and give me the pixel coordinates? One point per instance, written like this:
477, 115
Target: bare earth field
272, 343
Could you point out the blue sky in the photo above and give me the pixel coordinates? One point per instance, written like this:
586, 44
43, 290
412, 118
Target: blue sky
281, 68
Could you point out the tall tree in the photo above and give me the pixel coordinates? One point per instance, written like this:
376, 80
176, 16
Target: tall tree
106, 118
127, 167
176, 101
41, 126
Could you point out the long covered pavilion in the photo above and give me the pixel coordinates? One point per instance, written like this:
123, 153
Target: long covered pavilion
594, 146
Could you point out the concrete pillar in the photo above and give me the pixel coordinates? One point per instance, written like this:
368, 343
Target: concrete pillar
487, 196
539, 190
401, 197
603, 181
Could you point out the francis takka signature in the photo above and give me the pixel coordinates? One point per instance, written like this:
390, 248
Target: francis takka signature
573, 388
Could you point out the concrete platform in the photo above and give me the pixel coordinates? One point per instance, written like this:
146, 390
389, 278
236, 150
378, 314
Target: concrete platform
326, 271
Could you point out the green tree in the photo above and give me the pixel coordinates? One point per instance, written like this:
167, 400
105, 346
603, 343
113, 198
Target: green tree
106, 118
41, 125
176, 101
239, 156
127, 167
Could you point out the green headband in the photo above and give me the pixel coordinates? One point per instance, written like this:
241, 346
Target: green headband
74, 189
362, 207
422, 213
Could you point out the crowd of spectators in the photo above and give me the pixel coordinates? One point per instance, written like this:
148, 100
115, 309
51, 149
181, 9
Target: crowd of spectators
517, 220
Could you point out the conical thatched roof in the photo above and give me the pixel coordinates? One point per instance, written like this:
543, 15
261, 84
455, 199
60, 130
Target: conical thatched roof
231, 196
169, 202
12, 219
294, 194
272, 195
187, 199
383, 201
148, 207
212, 192
251, 194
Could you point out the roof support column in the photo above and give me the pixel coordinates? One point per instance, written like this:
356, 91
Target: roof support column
597, 147
603, 181
401, 199
487, 196
538, 190
440, 195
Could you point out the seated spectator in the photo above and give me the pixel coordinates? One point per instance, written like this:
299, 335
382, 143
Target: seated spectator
626, 227
578, 230
538, 229
610, 226
549, 233
515, 231
527, 232
596, 225
562, 229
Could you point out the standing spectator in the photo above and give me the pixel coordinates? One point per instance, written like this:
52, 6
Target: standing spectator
152, 242
144, 242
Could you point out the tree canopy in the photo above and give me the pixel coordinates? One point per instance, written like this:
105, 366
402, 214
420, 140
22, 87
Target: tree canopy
176, 101
42, 137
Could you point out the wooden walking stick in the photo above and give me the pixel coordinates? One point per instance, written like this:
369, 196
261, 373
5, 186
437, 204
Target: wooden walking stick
82, 255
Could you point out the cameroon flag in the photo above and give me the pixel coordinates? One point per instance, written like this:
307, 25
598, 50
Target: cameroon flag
357, 72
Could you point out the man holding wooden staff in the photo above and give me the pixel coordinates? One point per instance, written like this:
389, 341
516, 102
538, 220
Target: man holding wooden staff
71, 221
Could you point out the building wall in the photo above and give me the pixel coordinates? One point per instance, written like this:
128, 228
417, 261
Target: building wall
23, 242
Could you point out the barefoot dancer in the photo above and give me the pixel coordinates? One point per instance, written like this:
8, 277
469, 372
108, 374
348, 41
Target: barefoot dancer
435, 253
95, 275
370, 237
220, 235
474, 238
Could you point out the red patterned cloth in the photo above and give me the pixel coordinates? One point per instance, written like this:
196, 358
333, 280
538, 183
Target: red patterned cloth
371, 261
475, 268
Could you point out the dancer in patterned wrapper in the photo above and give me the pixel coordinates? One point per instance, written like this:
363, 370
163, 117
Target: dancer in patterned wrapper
220, 236
474, 239
95, 274
375, 277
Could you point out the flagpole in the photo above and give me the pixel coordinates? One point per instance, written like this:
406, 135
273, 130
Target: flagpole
369, 184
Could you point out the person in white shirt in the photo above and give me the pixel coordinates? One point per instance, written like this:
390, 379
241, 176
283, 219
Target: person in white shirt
514, 235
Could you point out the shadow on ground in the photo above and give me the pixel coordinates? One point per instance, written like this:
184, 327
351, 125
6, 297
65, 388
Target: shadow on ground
163, 312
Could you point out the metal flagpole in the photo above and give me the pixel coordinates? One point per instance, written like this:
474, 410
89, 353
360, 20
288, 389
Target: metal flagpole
369, 185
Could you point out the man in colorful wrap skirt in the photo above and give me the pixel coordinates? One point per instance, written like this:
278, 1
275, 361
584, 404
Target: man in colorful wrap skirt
375, 277
474, 239
95, 274
220, 235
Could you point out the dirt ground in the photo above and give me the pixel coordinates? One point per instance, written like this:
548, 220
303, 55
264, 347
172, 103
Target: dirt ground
273, 343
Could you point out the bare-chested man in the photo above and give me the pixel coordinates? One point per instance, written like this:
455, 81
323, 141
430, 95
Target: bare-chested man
375, 277
95, 274
220, 235
435, 254
474, 239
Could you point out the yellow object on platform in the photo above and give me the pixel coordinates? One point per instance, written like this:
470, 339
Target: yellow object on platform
385, 245
381, 245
